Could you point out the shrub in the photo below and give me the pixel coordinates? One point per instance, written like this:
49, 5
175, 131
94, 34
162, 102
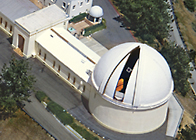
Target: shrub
40, 95
190, 5
83, 132
62, 115
54, 107
194, 26
78, 18
65, 118
95, 28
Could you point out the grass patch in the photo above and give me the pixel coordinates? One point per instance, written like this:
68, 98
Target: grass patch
21, 127
92, 29
60, 113
78, 18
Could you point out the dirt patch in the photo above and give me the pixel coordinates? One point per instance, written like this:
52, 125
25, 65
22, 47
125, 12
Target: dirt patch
21, 127
189, 105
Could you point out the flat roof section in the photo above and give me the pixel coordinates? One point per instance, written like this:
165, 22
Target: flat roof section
66, 54
42, 19
94, 45
14, 9
77, 44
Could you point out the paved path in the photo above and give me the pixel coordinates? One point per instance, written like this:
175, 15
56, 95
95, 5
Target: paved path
114, 34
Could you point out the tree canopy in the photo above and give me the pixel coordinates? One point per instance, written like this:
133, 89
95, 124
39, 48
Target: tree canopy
149, 18
178, 61
187, 133
190, 5
15, 82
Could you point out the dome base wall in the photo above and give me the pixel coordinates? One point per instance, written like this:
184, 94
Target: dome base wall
126, 120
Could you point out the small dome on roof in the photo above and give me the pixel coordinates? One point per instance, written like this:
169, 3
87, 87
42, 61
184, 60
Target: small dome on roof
96, 11
133, 75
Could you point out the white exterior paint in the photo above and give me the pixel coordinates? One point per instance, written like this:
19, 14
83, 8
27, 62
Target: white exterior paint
32, 26
96, 11
71, 7
150, 83
125, 120
9, 28
66, 52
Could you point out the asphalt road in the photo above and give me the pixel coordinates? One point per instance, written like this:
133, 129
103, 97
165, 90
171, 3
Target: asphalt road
114, 34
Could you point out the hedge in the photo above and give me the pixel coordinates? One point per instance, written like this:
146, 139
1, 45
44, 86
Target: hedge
62, 115
40, 95
78, 18
54, 107
83, 132
95, 28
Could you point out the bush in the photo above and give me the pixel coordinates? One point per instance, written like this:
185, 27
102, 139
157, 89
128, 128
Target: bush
84, 133
190, 5
40, 95
65, 118
194, 26
54, 108
94, 28
78, 18
60, 113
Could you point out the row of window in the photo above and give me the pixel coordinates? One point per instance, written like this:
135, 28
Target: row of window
80, 3
59, 69
1, 22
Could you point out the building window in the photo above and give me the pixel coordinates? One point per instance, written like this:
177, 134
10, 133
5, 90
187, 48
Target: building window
1, 20
39, 52
81, 3
74, 7
83, 88
64, 5
59, 69
68, 76
44, 57
10, 28
53, 64
6, 24
87, 1
74, 80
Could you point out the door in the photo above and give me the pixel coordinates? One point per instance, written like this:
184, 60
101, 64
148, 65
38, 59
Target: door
21, 42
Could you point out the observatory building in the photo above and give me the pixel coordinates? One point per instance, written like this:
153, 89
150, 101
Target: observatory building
133, 85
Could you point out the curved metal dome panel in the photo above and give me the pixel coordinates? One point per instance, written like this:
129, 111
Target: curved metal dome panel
133, 75
96, 11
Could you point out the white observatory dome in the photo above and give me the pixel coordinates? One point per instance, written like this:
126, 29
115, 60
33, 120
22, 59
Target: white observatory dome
96, 11
133, 75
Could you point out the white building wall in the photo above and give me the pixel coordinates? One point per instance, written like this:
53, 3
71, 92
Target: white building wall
65, 73
9, 28
126, 120
80, 6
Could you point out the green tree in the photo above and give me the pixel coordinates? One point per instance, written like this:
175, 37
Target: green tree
178, 61
190, 5
187, 133
15, 82
149, 18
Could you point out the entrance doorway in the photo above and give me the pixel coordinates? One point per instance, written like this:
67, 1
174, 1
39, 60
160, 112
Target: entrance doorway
21, 42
